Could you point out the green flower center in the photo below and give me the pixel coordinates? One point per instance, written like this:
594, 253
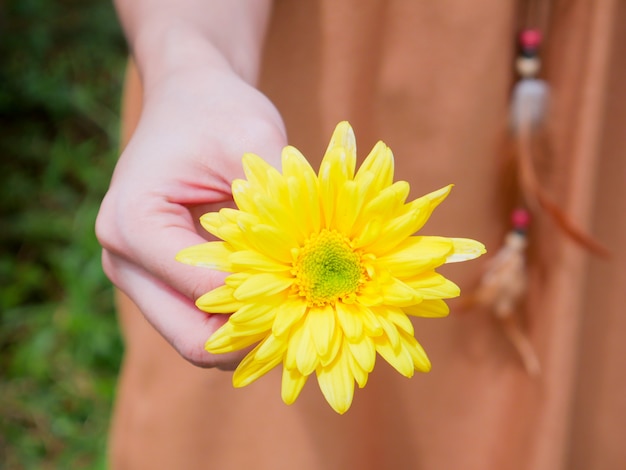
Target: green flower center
327, 269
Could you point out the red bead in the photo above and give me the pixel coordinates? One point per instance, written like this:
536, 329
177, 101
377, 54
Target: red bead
530, 38
520, 218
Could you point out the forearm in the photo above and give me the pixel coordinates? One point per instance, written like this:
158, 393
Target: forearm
166, 37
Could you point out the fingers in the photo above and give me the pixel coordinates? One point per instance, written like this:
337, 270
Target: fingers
180, 163
172, 314
139, 258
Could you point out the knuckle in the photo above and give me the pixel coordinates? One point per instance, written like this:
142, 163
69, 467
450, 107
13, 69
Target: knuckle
108, 266
113, 223
105, 226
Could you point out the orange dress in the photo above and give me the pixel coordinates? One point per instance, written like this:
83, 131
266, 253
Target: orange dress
433, 80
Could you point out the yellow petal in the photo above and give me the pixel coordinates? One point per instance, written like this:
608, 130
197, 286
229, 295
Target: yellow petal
228, 338
432, 285
270, 241
337, 383
412, 218
275, 212
379, 163
321, 323
250, 369
332, 176
348, 207
343, 137
399, 294
397, 317
292, 383
234, 280
253, 260
254, 317
264, 284
432, 308
417, 353
371, 324
364, 353
357, 372
265, 180
465, 249
303, 191
270, 347
416, 254
288, 313
306, 210
306, 354
388, 201
399, 357
391, 333
243, 196
350, 320
213, 255
219, 300
296, 165
335, 344
369, 233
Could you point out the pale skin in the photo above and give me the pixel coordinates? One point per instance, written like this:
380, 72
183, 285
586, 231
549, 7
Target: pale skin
198, 61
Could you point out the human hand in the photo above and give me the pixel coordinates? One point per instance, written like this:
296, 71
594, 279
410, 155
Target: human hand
195, 126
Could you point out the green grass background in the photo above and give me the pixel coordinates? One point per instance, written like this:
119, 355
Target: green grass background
61, 67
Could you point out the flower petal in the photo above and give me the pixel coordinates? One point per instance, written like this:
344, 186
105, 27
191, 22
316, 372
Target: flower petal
416, 254
229, 338
253, 260
391, 333
270, 347
219, 300
399, 357
432, 285
250, 369
357, 371
384, 206
306, 354
288, 313
432, 308
292, 383
265, 180
270, 241
379, 164
465, 249
412, 217
321, 323
337, 383
255, 317
303, 191
397, 317
264, 284
350, 321
399, 294
343, 137
414, 348
364, 353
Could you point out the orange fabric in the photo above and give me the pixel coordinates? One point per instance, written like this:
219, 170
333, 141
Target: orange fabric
432, 79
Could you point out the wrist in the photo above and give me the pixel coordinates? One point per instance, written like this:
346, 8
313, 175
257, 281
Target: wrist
169, 50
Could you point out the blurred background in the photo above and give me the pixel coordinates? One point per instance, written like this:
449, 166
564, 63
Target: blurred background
61, 68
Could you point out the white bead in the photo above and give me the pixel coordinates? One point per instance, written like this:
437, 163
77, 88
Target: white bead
529, 101
528, 67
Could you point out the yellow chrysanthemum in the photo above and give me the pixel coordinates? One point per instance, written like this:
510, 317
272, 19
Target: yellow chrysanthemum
325, 270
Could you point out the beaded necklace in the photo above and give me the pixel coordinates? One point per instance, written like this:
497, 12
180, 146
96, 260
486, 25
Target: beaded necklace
503, 286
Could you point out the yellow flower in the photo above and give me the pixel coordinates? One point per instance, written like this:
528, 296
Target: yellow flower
325, 270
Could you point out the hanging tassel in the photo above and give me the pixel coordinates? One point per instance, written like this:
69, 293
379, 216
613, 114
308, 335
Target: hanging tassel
503, 288
528, 110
